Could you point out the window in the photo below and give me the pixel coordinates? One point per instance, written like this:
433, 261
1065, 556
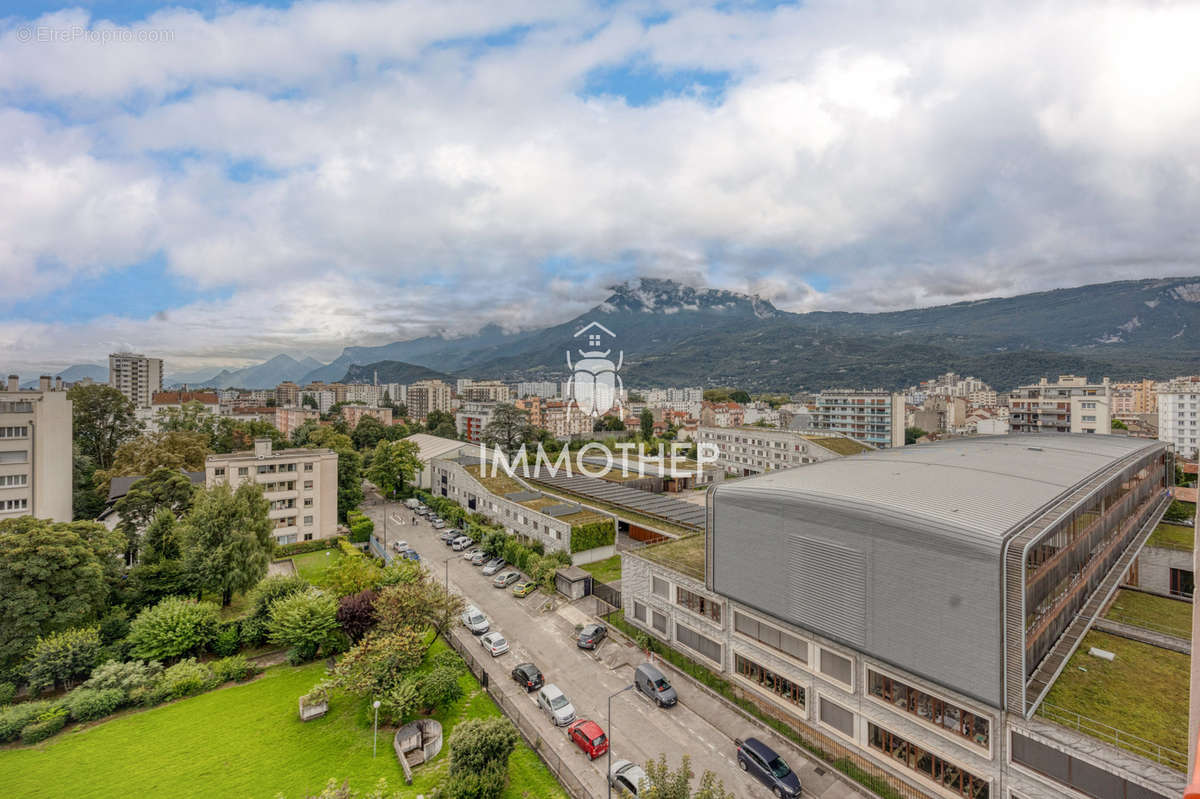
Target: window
933, 710
1183, 582
837, 717
698, 604
639, 612
308, 520
10, 480
838, 667
308, 503
928, 765
14, 432
308, 467
660, 622
8, 505
1071, 771
14, 456
219, 471
308, 485
694, 640
772, 637
660, 587
308, 536
243, 471
781, 686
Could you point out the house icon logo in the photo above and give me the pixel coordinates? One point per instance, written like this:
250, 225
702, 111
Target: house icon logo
595, 385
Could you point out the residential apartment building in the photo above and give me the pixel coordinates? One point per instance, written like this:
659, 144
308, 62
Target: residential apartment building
565, 419
1047, 407
1178, 403
397, 393
300, 484
365, 393
135, 376
35, 451
545, 389
874, 417
426, 396
353, 414
722, 414
323, 398
484, 391
472, 418
900, 613
983, 398
533, 407
1134, 398
205, 401
288, 420
287, 394
748, 451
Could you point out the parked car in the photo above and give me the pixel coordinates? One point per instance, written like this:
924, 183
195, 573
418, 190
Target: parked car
756, 758
399, 546
410, 554
474, 620
470, 552
448, 536
494, 565
461, 543
505, 579
556, 705
529, 676
524, 588
591, 636
480, 558
626, 777
494, 643
412, 503
588, 736
650, 681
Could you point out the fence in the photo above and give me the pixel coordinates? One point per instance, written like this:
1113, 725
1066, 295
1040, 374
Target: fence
526, 726
1098, 729
607, 593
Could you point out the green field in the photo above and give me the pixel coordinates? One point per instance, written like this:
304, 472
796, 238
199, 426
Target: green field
311, 565
1172, 536
1158, 613
243, 741
606, 571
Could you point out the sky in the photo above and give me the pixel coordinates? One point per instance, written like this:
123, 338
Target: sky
218, 182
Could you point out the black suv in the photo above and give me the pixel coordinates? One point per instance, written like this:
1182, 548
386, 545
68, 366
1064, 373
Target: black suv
529, 676
591, 635
755, 757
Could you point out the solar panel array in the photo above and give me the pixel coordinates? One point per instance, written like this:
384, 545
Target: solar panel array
523, 496
561, 510
659, 505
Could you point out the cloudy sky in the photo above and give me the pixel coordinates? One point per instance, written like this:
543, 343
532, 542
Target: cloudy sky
218, 182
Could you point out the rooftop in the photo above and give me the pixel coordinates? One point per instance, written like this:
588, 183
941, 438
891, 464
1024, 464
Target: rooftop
503, 486
980, 487
684, 555
430, 447
1172, 536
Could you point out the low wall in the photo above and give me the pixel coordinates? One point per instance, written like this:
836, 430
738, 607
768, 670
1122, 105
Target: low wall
593, 555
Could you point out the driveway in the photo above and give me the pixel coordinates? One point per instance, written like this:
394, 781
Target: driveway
639, 731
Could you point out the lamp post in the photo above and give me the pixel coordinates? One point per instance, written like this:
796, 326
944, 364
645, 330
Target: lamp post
447, 562
375, 743
608, 761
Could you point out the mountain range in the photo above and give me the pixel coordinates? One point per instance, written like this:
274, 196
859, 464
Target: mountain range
673, 334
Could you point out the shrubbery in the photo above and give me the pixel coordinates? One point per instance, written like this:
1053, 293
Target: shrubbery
303, 621
356, 614
360, 526
300, 547
14, 718
7, 692
125, 677
47, 724
479, 751
185, 678
596, 534
440, 687
234, 667
172, 628
228, 639
258, 614
62, 658
87, 704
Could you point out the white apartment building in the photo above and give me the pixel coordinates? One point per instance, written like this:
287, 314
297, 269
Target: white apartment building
1178, 404
545, 389
472, 418
425, 396
665, 396
1047, 407
876, 417
365, 393
484, 391
135, 376
300, 484
1091, 414
983, 398
754, 450
324, 398
35, 451
396, 392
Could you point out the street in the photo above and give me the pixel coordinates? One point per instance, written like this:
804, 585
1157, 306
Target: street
639, 731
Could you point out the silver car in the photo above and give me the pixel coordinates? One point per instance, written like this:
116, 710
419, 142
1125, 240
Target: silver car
471, 553
474, 620
494, 565
556, 705
479, 558
494, 643
461, 543
626, 777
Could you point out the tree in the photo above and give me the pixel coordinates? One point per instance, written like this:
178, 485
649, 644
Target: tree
477, 744
440, 688
436, 419
350, 493
394, 465
356, 614
369, 432
102, 419
646, 419
508, 429
663, 783
304, 621
1179, 511
149, 583
53, 576
911, 434
1117, 424
191, 417
160, 540
418, 605
258, 611
86, 501
173, 627
739, 396
379, 662
163, 489
227, 539
144, 454
62, 658
309, 401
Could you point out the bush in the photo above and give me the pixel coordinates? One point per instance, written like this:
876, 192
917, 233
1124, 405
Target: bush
234, 667
590, 536
1179, 512
151, 583
477, 744
440, 687
47, 724
486, 784
269, 589
62, 658
7, 692
87, 704
303, 621
185, 678
448, 659
172, 628
228, 639
125, 677
356, 614
114, 625
14, 718
301, 547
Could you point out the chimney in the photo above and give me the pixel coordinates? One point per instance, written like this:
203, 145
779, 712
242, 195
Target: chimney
44, 383
262, 448
14, 383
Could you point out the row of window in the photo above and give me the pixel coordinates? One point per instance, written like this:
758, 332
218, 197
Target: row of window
700, 643
698, 604
11, 480
927, 764
771, 636
930, 708
781, 686
21, 431
7, 505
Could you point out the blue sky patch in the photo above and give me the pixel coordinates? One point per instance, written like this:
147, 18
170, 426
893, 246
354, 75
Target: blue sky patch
641, 83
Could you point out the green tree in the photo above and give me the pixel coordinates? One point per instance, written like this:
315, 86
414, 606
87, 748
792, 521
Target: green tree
646, 419
739, 396
438, 419
86, 501
62, 658
350, 493
440, 688
369, 432
191, 417
508, 429
1117, 424
379, 662
304, 621
102, 419
227, 539
173, 627
394, 465
310, 401
53, 576
1179, 511
160, 540
911, 434
477, 744
163, 489
663, 783
144, 454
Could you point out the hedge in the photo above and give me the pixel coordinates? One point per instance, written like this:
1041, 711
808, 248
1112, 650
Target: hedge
592, 535
300, 547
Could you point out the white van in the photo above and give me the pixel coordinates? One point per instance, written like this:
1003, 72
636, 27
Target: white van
412, 503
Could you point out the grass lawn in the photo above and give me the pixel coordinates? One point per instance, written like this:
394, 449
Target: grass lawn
1171, 536
1160, 613
684, 554
1143, 692
311, 565
606, 571
243, 741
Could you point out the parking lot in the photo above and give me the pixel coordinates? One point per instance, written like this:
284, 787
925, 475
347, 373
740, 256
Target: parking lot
639, 731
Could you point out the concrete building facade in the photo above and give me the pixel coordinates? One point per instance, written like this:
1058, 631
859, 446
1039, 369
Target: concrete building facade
1178, 404
1047, 407
472, 418
426, 396
300, 484
135, 376
874, 417
754, 450
288, 420
35, 451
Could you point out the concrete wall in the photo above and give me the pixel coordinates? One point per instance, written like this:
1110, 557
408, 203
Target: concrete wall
1154, 566
593, 555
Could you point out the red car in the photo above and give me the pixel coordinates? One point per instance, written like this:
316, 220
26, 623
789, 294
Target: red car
588, 736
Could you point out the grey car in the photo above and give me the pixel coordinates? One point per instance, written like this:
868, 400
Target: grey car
494, 565
479, 558
626, 777
554, 703
506, 579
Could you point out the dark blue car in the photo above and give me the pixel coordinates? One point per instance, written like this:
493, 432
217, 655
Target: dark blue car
755, 757
410, 554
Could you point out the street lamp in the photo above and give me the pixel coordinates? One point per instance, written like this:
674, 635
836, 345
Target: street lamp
447, 562
375, 744
608, 762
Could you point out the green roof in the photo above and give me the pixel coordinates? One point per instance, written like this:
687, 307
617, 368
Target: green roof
840, 445
1172, 536
501, 485
684, 555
